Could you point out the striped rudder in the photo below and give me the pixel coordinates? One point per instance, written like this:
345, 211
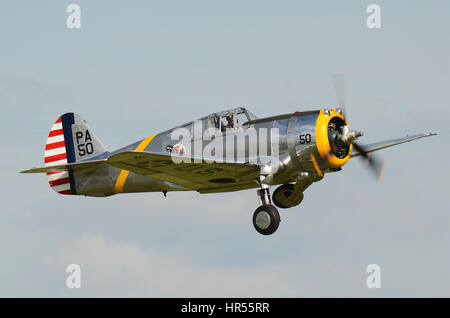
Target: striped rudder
70, 140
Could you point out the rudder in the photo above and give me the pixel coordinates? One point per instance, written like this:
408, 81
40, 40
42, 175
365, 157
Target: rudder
70, 140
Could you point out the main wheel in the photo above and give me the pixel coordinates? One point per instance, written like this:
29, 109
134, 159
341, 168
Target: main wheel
266, 219
282, 196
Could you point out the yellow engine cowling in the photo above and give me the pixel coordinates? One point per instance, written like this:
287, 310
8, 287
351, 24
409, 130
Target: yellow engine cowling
332, 158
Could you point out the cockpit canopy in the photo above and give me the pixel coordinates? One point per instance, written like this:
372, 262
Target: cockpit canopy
229, 119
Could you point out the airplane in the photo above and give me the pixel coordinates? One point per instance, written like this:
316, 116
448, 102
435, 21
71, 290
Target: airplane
299, 149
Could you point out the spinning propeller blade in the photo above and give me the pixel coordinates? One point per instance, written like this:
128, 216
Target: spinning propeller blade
339, 89
376, 165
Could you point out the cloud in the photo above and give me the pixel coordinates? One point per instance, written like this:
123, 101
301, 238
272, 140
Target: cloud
126, 270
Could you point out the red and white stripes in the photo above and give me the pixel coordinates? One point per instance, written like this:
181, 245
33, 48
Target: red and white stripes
55, 150
55, 154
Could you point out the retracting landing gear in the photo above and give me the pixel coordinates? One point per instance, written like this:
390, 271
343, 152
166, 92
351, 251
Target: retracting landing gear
266, 218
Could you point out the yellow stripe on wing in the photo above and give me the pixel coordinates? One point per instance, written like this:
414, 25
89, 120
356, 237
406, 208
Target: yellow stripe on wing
124, 173
145, 143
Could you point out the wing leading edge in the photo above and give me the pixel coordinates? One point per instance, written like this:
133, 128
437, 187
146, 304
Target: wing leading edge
389, 143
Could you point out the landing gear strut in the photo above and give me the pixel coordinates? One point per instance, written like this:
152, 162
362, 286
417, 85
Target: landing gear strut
266, 218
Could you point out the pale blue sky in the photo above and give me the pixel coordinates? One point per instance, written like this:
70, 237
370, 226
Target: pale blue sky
133, 70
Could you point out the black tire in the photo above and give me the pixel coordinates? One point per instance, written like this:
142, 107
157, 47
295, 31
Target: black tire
284, 190
266, 219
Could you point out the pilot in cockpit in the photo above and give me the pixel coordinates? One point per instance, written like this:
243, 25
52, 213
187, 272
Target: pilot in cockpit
216, 119
230, 121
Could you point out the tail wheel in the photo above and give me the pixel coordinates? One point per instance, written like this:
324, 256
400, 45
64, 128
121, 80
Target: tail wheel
266, 219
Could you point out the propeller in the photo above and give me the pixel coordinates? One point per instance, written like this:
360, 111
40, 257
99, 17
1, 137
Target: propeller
338, 80
348, 137
375, 164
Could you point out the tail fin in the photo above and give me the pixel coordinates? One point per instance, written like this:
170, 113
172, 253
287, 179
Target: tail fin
70, 140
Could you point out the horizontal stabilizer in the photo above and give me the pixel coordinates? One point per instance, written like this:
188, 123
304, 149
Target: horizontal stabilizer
75, 166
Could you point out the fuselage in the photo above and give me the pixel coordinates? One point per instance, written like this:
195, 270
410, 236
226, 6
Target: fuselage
299, 141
